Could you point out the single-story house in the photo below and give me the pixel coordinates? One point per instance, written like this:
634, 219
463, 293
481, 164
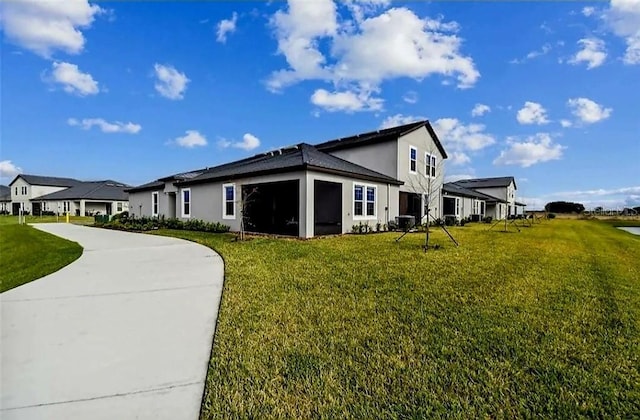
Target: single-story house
36, 194
462, 203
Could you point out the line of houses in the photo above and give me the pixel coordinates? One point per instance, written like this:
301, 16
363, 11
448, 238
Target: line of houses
304, 190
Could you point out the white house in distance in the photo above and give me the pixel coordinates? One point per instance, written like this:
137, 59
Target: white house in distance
36, 194
309, 190
500, 193
5, 199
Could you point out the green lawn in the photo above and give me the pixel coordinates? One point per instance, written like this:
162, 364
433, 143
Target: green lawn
545, 322
27, 254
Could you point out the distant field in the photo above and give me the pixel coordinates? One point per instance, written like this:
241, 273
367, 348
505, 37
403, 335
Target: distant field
26, 254
541, 323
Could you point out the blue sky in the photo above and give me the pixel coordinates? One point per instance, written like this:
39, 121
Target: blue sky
132, 91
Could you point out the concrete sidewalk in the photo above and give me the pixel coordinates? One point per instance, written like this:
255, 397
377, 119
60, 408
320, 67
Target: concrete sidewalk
124, 332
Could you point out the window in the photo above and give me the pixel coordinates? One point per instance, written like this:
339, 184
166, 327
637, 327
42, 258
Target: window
364, 201
186, 202
118, 207
66, 206
16, 190
228, 201
154, 203
413, 159
430, 168
457, 207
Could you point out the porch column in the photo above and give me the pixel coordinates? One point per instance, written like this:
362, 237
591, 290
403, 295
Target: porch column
82, 207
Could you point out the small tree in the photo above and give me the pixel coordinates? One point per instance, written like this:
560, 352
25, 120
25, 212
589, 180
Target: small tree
246, 198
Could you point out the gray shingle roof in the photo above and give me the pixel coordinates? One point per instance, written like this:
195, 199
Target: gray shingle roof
49, 181
300, 157
149, 186
503, 181
380, 136
5, 193
94, 190
455, 189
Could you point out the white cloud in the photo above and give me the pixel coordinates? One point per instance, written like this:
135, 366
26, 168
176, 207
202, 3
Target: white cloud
8, 169
623, 18
588, 111
534, 149
532, 113
317, 47
588, 11
411, 97
459, 158
593, 53
480, 109
346, 101
566, 123
171, 83
459, 137
248, 142
104, 126
544, 50
225, 27
600, 192
399, 119
47, 26
191, 139
72, 79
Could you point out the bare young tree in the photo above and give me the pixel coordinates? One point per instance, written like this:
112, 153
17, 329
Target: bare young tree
246, 198
427, 183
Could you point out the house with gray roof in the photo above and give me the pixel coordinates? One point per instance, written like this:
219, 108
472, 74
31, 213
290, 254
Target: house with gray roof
36, 194
500, 193
309, 190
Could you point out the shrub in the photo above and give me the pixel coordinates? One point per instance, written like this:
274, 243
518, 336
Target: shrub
151, 223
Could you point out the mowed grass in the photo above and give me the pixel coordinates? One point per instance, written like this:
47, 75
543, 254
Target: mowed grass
545, 322
27, 254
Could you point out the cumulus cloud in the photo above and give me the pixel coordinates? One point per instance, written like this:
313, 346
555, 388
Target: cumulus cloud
225, 27
534, 149
347, 101
47, 26
593, 53
623, 18
459, 158
480, 109
532, 113
566, 123
72, 79
248, 142
399, 119
105, 126
191, 139
170, 83
588, 111
412, 47
588, 11
457, 136
8, 169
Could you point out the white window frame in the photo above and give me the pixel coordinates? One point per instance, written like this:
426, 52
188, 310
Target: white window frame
225, 201
155, 207
457, 211
411, 149
119, 207
430, 165
364, 215
182, 202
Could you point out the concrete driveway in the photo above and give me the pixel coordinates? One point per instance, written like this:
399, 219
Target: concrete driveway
124, 332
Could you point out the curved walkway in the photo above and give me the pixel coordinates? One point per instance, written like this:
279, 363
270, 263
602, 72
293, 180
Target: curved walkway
123, 332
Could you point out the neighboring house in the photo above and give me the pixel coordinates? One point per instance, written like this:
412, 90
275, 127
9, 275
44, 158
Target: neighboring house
5, 199
501, 189
464, 203
36, 194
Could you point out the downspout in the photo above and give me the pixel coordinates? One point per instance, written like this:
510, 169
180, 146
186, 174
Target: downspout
387, 208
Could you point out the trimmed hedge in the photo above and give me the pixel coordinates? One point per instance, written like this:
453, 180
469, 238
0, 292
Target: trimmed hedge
123, 222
